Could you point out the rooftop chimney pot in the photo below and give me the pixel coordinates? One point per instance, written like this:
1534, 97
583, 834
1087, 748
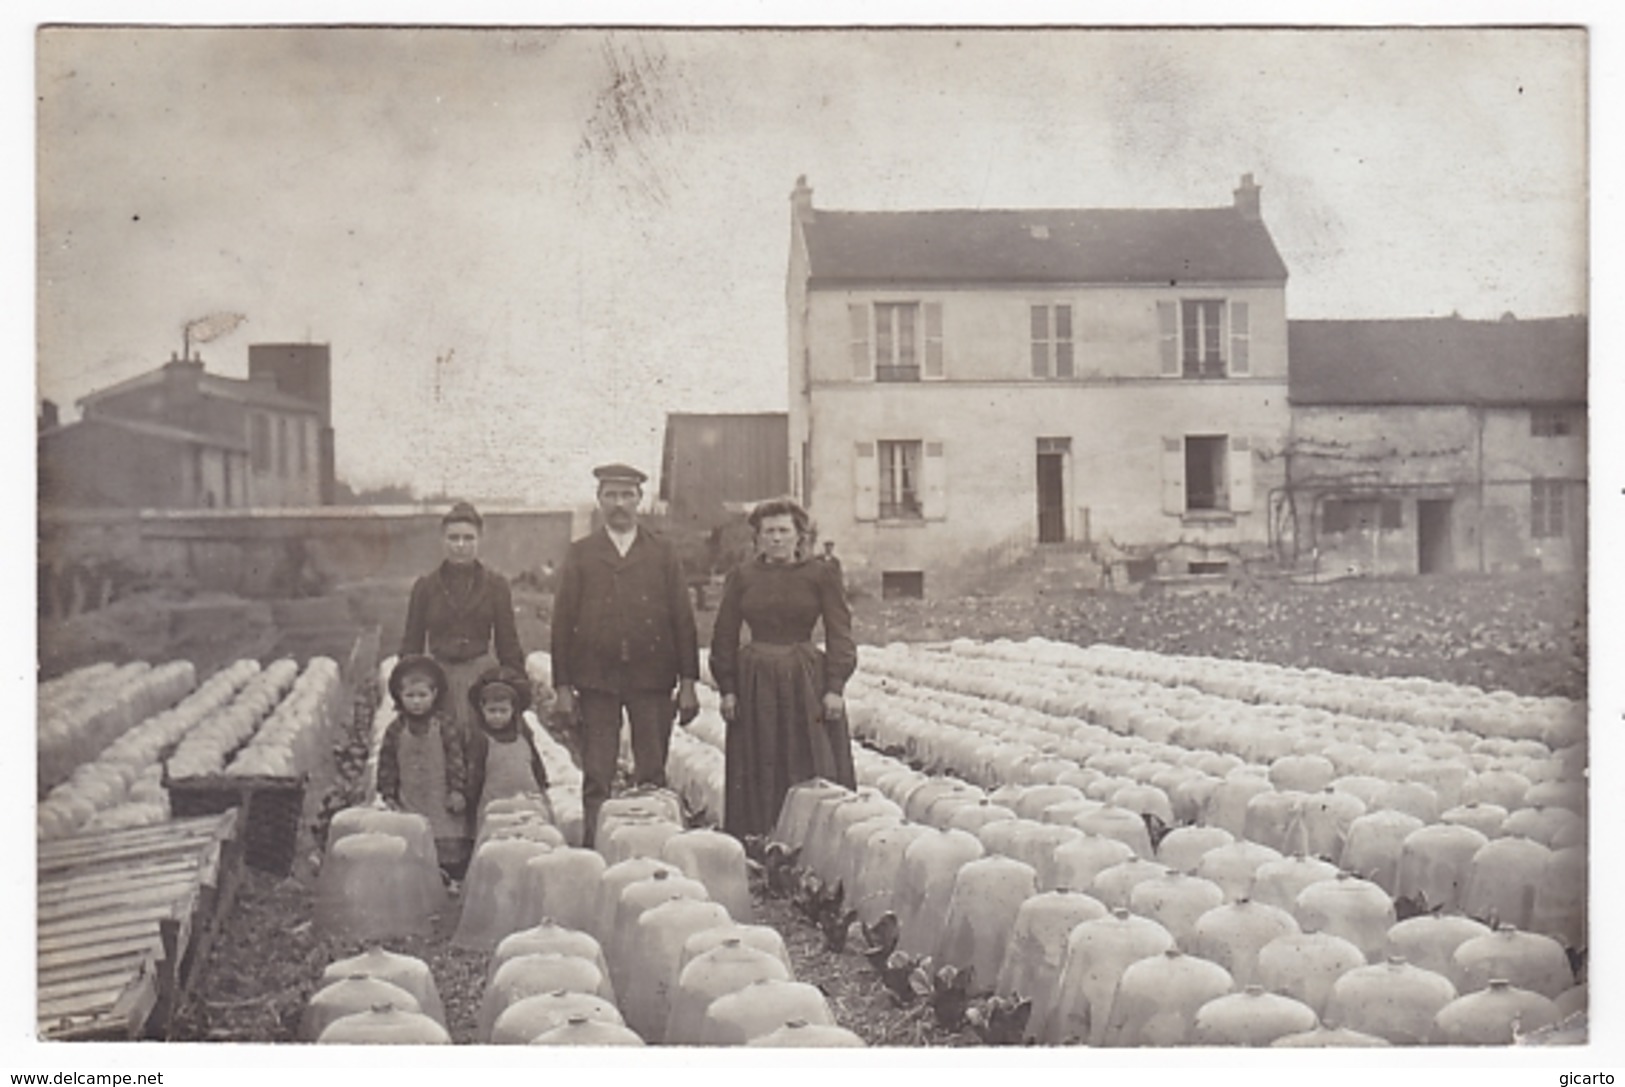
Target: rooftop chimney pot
801, 200
1246, 195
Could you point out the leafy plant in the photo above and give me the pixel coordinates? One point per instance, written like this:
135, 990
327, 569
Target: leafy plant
823, 905
895, 974
880, 940
945, 989
1000, 1020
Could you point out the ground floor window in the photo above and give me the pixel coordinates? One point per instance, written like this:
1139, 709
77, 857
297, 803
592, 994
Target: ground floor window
899, 480
1205, 476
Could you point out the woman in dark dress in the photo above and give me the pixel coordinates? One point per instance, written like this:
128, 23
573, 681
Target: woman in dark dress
461, 614
781, 695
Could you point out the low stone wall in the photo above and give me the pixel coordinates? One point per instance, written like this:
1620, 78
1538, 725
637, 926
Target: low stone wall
89, 557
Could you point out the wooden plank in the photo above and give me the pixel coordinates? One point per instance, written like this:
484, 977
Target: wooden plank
185, 866
153, 945
127, 854
114, 842
108, 933
89, 922
178, 901
132, 962
123, 1018
57, 887
88, 1028
90, 983
192, 828
202, 858
60, 899
84, 1003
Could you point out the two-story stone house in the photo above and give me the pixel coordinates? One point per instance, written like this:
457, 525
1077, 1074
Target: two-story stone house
975, 383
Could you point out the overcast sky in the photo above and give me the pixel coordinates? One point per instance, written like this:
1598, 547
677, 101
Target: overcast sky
526, 247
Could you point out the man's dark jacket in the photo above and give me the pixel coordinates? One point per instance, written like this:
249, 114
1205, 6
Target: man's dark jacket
623, 624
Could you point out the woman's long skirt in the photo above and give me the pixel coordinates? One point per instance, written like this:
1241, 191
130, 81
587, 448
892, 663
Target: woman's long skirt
779, 736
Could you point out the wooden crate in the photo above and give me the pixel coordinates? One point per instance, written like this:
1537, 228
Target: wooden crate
270, 810
123, 919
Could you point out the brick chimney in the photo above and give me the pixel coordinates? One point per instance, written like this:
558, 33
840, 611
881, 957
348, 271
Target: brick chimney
801, 200
1247, 198
182, 379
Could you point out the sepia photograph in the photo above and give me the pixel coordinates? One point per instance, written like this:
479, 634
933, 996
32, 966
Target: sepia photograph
1046, 537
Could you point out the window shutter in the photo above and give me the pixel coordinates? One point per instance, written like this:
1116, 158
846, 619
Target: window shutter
1173, 475
866, 483
934, 483
1168, 337
933, 340
1240, 339
1063, 340
857, 318
1241, 475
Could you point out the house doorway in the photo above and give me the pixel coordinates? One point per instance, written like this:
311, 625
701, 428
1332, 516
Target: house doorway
1433, 536
1052, 457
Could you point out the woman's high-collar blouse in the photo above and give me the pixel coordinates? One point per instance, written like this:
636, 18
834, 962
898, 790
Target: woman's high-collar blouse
781, 603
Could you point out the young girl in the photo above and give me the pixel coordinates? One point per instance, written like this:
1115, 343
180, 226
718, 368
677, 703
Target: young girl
421, 766
502, 756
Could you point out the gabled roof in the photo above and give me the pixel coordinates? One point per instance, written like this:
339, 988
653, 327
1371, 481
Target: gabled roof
259, 393
1438, 360
1135, 246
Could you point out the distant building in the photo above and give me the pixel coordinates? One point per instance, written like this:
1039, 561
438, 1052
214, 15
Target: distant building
178, 437
1429, 445
714, 464
993, 381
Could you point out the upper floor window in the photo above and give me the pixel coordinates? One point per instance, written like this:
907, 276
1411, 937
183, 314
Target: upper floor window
1199, 345
1546, 512
896, 337
304, 447
1052, 340
282, 445
895, 341
1550, 423
1204, 338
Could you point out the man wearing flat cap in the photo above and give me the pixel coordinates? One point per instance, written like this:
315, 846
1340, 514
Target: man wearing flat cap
623, 638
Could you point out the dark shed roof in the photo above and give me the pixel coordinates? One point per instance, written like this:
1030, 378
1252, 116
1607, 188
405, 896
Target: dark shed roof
1438, 360
1041, 246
